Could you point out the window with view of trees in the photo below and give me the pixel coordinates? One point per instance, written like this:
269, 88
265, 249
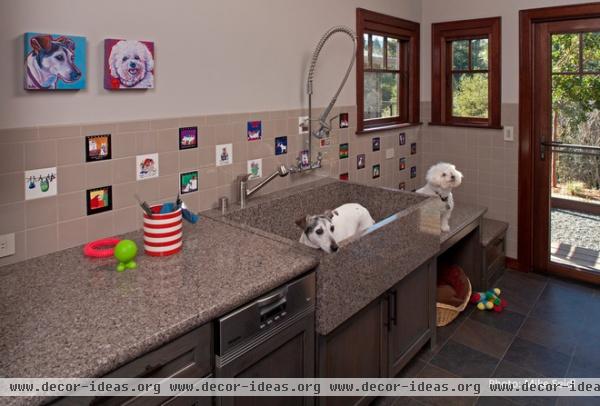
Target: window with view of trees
466, 73
387, 71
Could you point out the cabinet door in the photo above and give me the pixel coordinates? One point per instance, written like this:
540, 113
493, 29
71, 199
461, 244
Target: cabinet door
412, 305
288, 354
354, 350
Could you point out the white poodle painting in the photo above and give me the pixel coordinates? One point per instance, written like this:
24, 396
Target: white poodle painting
129, 64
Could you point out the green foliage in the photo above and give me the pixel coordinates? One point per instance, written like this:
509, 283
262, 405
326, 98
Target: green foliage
470, 95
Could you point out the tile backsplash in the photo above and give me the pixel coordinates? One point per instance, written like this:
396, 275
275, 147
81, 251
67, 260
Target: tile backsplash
54, 223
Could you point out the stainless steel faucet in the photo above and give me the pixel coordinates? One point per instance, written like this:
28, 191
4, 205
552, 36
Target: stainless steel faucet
245, 193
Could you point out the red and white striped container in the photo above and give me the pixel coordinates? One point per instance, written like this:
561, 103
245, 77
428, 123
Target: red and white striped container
163, 232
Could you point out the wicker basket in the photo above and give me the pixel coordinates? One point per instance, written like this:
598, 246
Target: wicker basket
447, 313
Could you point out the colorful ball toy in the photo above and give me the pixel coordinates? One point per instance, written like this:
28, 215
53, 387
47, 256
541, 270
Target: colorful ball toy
125, 252
489, 300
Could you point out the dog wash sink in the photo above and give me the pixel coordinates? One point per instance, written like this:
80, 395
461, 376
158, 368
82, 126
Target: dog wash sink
405, 235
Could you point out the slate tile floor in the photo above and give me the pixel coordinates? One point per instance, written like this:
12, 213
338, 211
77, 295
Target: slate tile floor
551, 328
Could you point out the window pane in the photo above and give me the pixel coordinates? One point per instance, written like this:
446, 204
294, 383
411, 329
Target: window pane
470, 95
565, 52
366, 50
460, 55
393, 52
381, 95
591, 52
377, 52
479, 54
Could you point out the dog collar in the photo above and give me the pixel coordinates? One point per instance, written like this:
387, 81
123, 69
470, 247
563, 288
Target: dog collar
442, 198
33, 79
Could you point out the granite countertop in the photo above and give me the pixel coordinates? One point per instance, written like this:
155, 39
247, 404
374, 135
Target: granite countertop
65, 315
462, 215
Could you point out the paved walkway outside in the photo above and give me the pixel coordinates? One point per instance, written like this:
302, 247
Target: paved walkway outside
575, 238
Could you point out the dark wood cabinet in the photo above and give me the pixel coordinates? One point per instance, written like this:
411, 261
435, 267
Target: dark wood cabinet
288, 354
383, 337
411, 304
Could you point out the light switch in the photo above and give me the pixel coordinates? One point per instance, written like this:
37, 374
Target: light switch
509, 133
389, 153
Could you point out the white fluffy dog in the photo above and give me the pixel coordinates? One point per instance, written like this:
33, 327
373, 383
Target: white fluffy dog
325, 231
441, 179
132, 63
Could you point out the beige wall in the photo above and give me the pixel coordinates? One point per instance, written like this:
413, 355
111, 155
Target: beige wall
211, 56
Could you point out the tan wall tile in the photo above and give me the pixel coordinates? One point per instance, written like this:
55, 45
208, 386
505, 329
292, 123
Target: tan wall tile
98, 174
54, 132
42, 240
188, 160
71, 206
10, 135
12, 217
12, 186
124, 170
12, 157
168, 163
71, 151
148, 190
208, 178
99, 129
127, 220
71, 178
168, 187
123, 145
123, 194
41, 212
146, 142
168, 140
161, 124
130, 126
206, 136
194, 121
40, 154
100, 225
72, 233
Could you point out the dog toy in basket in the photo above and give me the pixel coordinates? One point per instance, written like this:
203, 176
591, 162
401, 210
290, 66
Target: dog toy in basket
489, 300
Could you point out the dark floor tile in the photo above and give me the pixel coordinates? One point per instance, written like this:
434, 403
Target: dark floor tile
494, 401
549, 335
586, 359
564, 313
523, 283
521, 303
464, 361
506, 320
483, 338
534, 400
537, 358
507, 369
395, 401
412, 369
431, 371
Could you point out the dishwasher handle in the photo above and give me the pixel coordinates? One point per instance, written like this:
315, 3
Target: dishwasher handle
281, 294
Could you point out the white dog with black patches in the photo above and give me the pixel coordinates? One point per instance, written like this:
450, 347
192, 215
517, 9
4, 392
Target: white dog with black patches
326, 230
132, 63
441, 179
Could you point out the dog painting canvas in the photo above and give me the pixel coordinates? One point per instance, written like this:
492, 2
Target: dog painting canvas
55, 62
128, 64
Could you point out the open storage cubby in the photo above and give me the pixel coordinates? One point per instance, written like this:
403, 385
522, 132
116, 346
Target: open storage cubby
464, 249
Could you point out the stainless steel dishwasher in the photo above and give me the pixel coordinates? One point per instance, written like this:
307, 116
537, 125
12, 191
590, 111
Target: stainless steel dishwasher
271, 337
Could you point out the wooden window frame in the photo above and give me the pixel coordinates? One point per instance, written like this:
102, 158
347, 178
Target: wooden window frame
442, 34
408, 32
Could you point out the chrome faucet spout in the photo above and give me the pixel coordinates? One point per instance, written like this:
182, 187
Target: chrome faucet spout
245, 193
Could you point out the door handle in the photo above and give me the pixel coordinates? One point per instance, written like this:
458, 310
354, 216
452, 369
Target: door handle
543, 148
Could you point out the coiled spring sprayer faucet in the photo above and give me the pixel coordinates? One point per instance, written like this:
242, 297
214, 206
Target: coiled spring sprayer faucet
324, 127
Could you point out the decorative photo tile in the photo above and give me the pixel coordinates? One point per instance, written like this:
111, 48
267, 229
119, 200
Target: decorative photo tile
254, 130
361, 161
413, 172
188, 137
281, 145
40, 183
146, 166
55, 62
344, 176
402, 138
97, 148
98, 200
255, 168
402, 164
304, 159
325, 142
344, 121
224, 154
188, 182
402, 186
413, 148
376, 171
344, 150
128, 64
376, 144
303, 125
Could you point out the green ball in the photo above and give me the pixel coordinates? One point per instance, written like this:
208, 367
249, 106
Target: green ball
125, 250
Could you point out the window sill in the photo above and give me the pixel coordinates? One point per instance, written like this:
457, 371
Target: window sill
387, 128
470, 125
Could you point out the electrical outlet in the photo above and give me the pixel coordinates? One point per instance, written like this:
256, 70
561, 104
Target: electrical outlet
389, 153
509, 133
7, 245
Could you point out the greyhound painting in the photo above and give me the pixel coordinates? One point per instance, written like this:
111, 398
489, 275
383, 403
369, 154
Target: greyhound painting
54, 62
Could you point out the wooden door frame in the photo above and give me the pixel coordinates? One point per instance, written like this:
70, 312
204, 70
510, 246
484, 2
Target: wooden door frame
527, 148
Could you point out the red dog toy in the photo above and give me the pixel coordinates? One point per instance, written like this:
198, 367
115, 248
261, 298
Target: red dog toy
101, 248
